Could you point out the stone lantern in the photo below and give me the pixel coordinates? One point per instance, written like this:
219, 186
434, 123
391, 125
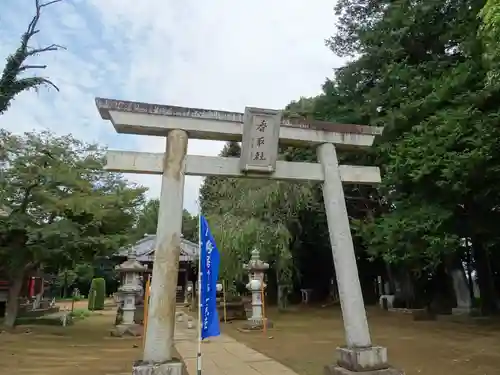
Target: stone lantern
256, 268
130, 272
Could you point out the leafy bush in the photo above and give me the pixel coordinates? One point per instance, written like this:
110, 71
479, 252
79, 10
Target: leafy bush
97, 294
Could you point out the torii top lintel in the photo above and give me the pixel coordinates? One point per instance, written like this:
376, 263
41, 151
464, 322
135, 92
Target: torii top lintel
135, 118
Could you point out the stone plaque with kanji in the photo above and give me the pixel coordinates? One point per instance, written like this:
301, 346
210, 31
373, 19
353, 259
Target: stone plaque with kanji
261, 130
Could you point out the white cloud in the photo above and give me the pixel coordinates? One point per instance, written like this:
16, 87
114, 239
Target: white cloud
217, 54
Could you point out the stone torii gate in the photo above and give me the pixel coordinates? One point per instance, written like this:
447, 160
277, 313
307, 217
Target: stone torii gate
260, 130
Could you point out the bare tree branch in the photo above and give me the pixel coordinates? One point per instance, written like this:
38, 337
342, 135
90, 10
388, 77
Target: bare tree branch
52, 47
49, 3
26, 67
10, 82
32, 27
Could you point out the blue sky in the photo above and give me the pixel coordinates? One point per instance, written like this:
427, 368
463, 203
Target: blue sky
218, 54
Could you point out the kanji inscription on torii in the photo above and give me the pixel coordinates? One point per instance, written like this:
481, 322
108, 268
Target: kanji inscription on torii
259, 148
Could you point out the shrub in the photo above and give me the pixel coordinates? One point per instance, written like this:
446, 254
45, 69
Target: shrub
97, 294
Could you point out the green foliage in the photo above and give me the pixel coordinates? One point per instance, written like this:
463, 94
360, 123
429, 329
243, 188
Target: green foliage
80, 273
419, 70
97, 294
148, 219
12, 81
190, 226
246, 214
489, 32
66, 210
413, 236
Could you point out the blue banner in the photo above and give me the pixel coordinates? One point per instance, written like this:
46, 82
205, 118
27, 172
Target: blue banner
209, 264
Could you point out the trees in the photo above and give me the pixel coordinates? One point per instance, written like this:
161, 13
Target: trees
190, 226
65, 208
147, 222
420, 71
12, 81
489, 32
246, 213
147, 219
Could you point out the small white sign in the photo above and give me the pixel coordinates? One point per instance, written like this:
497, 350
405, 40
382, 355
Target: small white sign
261, 130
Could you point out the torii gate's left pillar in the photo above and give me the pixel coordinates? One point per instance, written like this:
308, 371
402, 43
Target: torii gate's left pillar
159, 341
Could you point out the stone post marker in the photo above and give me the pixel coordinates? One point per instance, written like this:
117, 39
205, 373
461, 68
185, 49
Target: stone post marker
260, 131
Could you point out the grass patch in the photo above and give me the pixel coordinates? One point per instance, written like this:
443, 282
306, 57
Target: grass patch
80, 314
80, 349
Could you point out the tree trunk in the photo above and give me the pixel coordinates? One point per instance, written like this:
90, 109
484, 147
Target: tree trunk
282, 297
65, 285
390, 279
407, 291
456, 280
488, 297
13, 301
470, 281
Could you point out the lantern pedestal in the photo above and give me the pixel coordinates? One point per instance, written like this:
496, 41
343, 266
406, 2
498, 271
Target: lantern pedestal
131, 289
127, 330
250, 326
256, 286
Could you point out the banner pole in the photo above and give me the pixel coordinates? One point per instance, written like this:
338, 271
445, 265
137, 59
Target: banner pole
224, 300
146, 309
264, 320
198, 292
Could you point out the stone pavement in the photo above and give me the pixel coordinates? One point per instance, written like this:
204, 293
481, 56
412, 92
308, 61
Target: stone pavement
224, 356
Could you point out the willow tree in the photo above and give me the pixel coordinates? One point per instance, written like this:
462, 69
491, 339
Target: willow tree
245, 214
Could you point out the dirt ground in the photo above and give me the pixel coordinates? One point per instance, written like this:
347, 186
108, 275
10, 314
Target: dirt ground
81, 349
306, 341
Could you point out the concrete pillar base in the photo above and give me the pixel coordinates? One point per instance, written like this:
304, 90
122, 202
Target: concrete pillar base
252, 325
336, 370
127, 330
367, 361
461, 311
172, 367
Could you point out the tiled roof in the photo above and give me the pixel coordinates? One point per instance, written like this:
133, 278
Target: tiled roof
144, 249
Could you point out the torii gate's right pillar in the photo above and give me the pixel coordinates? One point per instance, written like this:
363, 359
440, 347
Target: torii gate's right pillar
358, 355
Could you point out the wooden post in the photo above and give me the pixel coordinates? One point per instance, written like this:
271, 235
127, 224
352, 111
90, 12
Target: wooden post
264, 320
73, 301
146, 308
224, 300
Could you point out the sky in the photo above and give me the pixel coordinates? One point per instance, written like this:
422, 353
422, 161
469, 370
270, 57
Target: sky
216, 54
